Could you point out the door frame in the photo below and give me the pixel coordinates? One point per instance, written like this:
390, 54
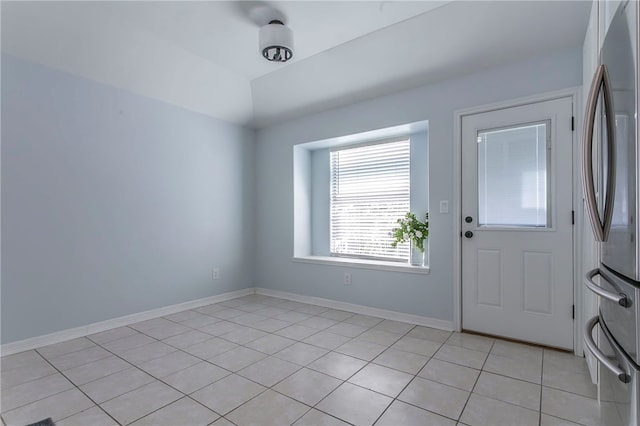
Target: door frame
575, 95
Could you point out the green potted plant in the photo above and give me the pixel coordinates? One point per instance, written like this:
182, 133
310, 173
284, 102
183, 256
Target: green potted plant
411, 229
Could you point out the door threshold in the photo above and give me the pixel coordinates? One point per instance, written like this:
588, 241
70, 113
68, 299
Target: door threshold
522, 342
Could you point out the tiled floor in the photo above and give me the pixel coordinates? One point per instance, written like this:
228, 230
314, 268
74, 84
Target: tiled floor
266, 361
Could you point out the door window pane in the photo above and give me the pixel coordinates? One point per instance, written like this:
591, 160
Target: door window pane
513, 166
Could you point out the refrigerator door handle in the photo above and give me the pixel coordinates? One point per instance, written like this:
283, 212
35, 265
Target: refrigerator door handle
593, 348
602, 82
620, 298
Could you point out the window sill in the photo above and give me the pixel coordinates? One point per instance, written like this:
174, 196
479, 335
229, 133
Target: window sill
363, 264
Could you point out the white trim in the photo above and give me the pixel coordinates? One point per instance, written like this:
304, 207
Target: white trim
97, 327
574, 94
360, 309
363, 264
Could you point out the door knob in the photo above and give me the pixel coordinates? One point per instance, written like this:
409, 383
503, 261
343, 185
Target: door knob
468, 234
468, 219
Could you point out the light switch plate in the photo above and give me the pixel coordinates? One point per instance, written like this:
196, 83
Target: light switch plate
444, 206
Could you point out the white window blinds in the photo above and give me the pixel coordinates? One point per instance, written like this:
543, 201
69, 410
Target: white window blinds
370, 190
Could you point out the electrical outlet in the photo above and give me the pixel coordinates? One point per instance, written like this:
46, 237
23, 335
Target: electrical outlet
215, 273
347, 278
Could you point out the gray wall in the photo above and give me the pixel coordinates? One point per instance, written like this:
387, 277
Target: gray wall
430, 295
113, 203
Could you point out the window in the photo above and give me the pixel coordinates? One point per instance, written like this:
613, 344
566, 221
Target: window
369, 190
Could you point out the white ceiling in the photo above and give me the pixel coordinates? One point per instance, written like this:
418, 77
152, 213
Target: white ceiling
203, 55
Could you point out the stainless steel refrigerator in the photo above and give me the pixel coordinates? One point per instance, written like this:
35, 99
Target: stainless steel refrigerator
611, 181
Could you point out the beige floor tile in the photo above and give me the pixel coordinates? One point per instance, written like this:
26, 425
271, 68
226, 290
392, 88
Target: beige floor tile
184, 411
562, 361
195, 377
292, 316
567, 380
222, 422
428, 333
167, 331
436, 397
319, 323
271, 324
404, 361
361, 349
67, 347
270, 344
243, 335
471, 341
337, 365
297, 386
148, 352
296, 332
301, 353
354, 404
394, 326
58, 407
417, 346
228, 393
150, 324
270, 311
483, 411
364, 320
210, 348
111, 335
184, 340
269, 371
96, 370
291, 305
210, 309
326, 340
311, 309
336, 315
576, 408
268, 408
22, 359
381, 379
380, 337
248, 319
220, 328
26, 373
94, 416
347, 330
511, 367
455, 375
400, 413
506, 389
140, 402
250, 307
318, 418
35, 390
518, 351
168, 364
182, 316
78, 358
547, 420
116, 384
227, 314
126, 343
462, 356
237, 359
201, 321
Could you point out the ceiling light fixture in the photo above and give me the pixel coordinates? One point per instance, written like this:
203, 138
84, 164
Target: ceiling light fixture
276, 41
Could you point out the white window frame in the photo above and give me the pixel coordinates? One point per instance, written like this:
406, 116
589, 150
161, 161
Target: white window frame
378, 175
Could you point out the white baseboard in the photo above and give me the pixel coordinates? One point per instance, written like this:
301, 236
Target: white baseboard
97, 327
360, 309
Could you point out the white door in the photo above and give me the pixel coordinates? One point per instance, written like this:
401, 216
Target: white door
517, 243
